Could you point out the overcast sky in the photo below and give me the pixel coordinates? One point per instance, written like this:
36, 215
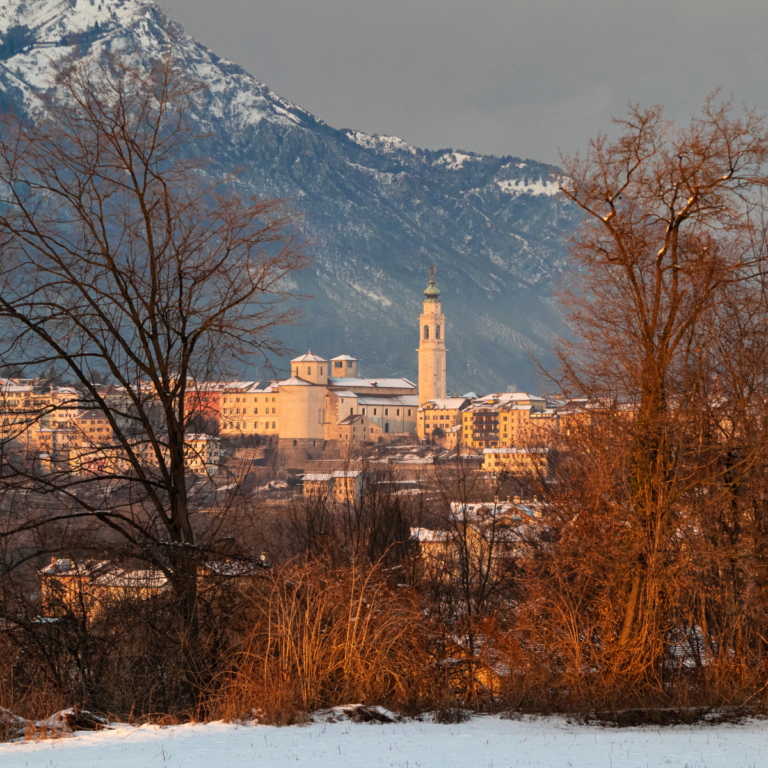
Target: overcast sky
519, 77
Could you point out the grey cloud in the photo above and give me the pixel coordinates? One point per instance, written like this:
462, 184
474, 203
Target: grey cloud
523, 77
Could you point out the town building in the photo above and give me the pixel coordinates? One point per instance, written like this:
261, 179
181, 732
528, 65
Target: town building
341, 486
506, 420
438, 417
356, 429
516, 461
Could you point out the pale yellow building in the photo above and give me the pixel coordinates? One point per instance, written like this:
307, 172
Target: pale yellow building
508, 420
247, 408
517, 461
341, 486
354, 429
438, 417
432, 351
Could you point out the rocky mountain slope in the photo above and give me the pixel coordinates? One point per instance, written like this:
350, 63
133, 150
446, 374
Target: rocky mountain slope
379, 210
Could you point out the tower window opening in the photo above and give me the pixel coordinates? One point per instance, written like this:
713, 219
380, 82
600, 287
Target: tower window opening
426, 331
437, 331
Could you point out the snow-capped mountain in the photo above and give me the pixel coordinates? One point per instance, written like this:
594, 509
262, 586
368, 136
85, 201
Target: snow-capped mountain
380, 210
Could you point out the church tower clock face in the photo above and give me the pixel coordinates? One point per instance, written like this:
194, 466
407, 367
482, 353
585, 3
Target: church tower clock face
431, 345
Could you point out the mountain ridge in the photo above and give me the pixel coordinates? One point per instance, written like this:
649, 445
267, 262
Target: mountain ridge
381, 210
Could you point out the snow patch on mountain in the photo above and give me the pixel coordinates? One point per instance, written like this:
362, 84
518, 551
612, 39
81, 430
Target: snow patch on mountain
522, 187
381, 143
50, 20
455, 160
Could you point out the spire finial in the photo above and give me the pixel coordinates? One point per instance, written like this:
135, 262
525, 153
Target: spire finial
433, 292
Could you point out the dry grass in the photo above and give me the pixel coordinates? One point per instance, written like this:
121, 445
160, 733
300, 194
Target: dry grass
323, 638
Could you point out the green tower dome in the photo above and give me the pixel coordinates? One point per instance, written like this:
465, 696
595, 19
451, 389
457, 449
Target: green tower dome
432, 292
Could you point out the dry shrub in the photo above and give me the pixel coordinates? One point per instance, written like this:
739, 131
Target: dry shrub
26, 692
323, 638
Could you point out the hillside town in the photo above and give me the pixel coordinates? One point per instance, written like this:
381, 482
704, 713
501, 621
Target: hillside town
323, 412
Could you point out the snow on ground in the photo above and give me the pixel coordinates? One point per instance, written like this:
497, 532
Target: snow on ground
481, 742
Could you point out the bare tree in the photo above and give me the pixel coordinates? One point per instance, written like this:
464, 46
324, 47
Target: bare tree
120, 255
671, 258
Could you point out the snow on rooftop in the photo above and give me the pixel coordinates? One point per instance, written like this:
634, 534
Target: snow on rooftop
409, 401
428, 536
344, 393
309, 358
353, 383
294, 381
444, 403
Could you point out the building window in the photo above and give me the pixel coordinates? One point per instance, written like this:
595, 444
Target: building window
386, 411
273, 424
398, 411
375, 410
321, 370
426, 331
338, 364
255, 410
295, 442
409, 411
437, 331
363, 411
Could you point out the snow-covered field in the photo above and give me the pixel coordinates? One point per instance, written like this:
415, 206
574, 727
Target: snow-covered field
481, 742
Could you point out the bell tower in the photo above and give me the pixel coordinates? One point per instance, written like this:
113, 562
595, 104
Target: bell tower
431, 345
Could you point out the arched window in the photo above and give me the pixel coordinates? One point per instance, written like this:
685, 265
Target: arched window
426, 331
437, 331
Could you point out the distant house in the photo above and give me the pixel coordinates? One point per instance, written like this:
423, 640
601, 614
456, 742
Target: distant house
318, 485
482, 535
90, 587
340, 486
518, 461
347, 486
358, 429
